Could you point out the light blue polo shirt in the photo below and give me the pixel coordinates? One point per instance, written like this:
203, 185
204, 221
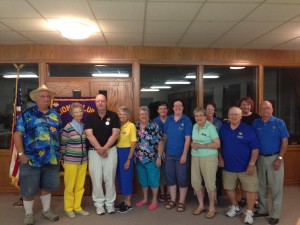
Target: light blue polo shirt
270, 134
237, 146
204, 135
176, 132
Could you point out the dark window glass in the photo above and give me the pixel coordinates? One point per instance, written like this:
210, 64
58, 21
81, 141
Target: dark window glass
281, 88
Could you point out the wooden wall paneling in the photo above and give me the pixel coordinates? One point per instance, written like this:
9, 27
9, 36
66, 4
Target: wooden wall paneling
136, 90
64, 86
292, 165
195, 56
5, 181
118, 93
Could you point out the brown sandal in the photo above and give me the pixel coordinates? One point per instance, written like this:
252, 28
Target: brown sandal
181, 207
170, 205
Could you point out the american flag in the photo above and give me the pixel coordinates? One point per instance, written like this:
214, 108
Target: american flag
14, 160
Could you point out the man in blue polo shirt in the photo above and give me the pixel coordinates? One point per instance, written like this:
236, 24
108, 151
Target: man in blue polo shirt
239, 152
273, 137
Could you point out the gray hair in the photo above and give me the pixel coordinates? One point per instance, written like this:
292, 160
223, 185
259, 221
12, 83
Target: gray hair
125, 110
145, 109
75, 105
200, 110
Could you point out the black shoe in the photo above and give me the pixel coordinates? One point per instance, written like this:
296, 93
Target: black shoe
257, 214
125, 208
273, 221
121, 204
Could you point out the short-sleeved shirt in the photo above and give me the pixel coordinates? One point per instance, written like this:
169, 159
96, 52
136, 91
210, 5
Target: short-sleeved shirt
102, 127
127, 135
270, 134
148, 138
176, 132
204, 135
160, 123
237, 146
217, 123
41, 135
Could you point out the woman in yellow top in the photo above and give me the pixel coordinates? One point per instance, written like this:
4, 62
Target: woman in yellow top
125, 146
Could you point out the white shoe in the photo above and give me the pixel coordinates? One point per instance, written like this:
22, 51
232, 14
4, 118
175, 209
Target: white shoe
70, 214
82, 212
233, 211
110, 209
100, 210
248, 217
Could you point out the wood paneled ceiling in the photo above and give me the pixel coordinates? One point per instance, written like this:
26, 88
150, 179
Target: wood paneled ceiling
249, 24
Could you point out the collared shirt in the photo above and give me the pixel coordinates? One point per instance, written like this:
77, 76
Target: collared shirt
237, 146
77, 126
127, 135
148, 138
41, 135
102, 127
217, 123
270, 134
160, 123
204, 135
176, 132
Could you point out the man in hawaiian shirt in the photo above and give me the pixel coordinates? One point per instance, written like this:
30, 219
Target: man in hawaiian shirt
37, 138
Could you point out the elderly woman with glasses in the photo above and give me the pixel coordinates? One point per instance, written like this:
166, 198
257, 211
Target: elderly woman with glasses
148, 155
205, 144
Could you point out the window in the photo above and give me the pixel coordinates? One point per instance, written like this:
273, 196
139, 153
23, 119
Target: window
89, 70
158, 83
281, 89
225, 86
7, 94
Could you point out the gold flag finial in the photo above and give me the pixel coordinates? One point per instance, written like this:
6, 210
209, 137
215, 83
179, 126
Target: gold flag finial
18, 67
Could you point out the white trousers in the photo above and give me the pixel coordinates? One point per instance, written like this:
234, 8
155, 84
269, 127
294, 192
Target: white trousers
103, 170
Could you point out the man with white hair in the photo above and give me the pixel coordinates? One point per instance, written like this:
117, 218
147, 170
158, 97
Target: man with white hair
239, 152
37, 140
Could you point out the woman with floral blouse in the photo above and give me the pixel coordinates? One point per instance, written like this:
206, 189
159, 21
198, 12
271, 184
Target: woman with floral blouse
148, 155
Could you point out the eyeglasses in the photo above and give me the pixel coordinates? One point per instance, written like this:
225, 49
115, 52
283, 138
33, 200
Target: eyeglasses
44, 96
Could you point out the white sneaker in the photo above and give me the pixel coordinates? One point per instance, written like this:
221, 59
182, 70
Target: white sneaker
82, 212
100, 210
70, 214
110, 209
248, 217
233, 211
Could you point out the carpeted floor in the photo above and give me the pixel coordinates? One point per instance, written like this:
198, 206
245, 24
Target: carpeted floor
141, 216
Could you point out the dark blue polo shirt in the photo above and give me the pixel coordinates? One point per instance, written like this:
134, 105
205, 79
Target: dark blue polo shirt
237, 146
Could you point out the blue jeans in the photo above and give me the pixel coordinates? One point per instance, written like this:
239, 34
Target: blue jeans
32, 179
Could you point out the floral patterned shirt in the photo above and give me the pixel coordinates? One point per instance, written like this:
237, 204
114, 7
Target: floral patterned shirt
147, 138
41, 135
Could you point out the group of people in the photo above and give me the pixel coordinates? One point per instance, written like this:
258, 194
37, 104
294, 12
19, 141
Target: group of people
167, 150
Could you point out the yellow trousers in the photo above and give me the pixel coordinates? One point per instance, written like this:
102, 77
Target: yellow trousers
74, 178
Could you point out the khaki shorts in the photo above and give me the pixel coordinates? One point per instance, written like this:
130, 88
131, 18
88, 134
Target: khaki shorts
249, 182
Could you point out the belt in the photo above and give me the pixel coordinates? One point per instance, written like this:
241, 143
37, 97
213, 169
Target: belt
268, 155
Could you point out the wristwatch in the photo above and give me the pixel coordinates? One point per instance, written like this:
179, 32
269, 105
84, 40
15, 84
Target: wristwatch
20, 153
280, 157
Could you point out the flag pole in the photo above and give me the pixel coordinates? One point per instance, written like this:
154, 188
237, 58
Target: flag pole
14, 164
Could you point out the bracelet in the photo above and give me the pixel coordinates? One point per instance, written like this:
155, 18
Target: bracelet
159, 156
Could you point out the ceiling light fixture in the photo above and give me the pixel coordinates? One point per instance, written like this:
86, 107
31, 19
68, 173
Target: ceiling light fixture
149, 90
21, 76
177, 82
237, 67
74, 28
160, 87
110, 75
